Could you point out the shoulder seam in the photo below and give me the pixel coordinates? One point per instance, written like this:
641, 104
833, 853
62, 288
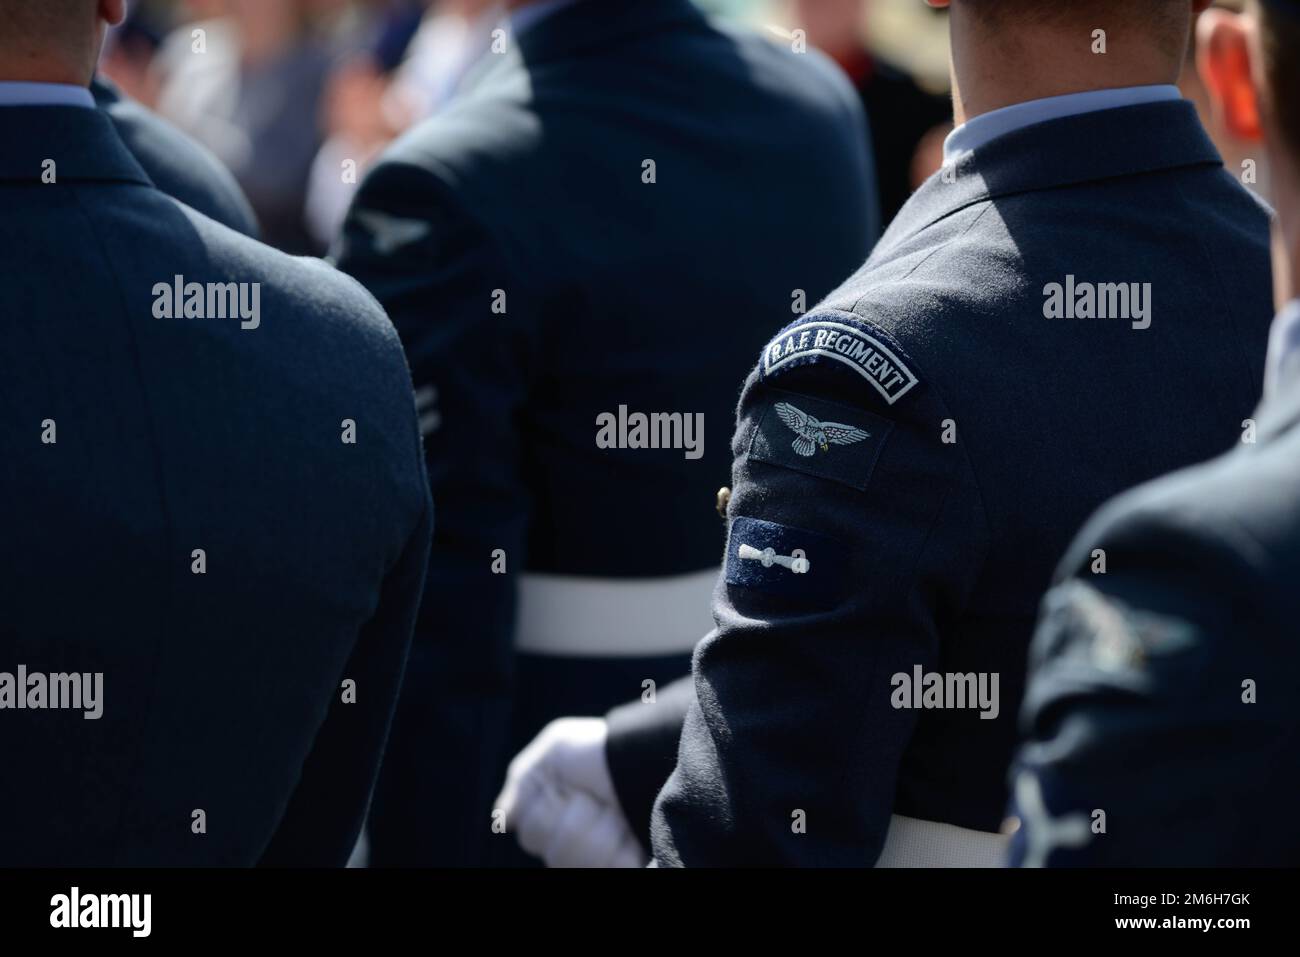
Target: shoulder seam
158, 470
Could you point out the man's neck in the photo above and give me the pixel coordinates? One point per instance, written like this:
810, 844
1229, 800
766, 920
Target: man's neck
1284, 193
16, 71
993, 71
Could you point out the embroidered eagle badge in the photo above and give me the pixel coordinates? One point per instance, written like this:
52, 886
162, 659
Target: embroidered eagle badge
811, 434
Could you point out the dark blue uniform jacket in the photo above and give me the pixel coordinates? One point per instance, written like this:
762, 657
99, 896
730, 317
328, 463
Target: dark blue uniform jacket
927, 440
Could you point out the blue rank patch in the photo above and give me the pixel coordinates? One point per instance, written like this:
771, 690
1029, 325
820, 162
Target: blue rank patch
785, 561
820, 438
841, 340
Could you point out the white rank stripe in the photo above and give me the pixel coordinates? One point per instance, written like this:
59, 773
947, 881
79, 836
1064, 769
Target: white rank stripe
768, 557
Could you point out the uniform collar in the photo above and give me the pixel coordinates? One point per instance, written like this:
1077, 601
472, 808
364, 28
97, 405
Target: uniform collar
525, 18
45, 94
564, 30
983, 129
1084, 148
572, 27
82, 144
1283, 348
1280, 410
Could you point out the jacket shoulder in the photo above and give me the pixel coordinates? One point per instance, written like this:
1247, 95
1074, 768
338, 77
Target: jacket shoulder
178, 165
1231, 525
339, 313
810, 77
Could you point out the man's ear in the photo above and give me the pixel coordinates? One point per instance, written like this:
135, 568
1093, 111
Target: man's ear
1223, 60
112, 12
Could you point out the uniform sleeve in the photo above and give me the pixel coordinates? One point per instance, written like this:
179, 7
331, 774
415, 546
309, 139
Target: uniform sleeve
1141, 744
855, 530
328, 807
641, 750
462, 320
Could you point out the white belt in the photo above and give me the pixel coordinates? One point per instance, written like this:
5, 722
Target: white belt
573, 616
912, 842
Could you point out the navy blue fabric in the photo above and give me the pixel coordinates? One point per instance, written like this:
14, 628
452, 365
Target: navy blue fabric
780, 439
1019, 426
177, 165
641, 748
617, 292
818, 563
222, 690
1136, 704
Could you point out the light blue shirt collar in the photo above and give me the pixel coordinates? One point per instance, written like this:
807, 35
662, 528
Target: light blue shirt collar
45, 94
983, 129
1283, 345
525, 18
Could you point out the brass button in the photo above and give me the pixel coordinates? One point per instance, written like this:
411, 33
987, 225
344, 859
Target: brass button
724, 498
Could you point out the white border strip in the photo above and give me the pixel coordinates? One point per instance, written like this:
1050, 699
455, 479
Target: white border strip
912, 842
578, 617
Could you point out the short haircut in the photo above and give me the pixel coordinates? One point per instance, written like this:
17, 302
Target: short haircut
1280, 39
1166, 20
1158, 12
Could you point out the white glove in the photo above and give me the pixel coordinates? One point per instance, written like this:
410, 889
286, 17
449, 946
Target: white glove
559, 799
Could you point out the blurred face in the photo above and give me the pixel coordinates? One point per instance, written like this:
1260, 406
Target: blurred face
324, 7
832, 25
1230, 59
204, 9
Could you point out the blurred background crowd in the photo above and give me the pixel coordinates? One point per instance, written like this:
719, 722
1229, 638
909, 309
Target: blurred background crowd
286, 91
